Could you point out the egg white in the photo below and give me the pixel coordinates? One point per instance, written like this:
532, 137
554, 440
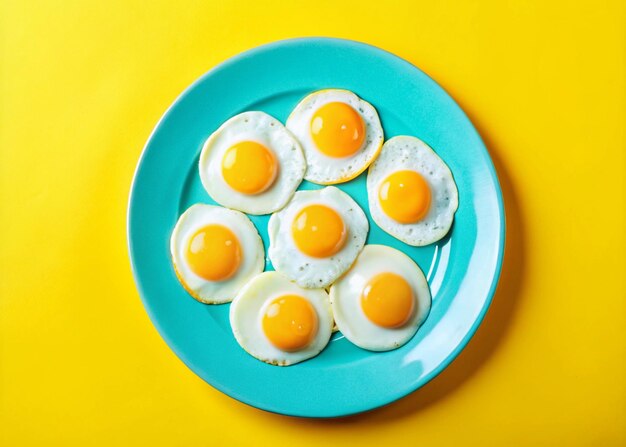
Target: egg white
268, 131
325, 170
252, 252
345, 298
309, 271
249, 306
410, 153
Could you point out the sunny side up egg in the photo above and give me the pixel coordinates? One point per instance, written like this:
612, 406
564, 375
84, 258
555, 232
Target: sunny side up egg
280, 323
317, 236
382, 300
340, 134
252, 163
411, 192
215, 251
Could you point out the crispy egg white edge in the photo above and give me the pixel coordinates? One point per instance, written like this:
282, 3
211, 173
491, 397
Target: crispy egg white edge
302, 268
264, 129
253, 254
406, 152
246, 322
345, 298
298, 123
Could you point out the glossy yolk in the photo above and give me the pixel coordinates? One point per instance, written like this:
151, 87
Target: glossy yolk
387, 300
318, 231
337, 129
249, 167
405, 196
290, 323
213, 253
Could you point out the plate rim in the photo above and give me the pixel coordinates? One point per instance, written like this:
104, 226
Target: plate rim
234, 59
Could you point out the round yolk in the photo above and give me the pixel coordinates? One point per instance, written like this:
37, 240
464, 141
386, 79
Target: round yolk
319, 231
249, 167
213, 253
405, 196
337, 129
290, 323
387, 300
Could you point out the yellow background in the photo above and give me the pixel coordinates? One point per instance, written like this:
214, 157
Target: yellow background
82, 88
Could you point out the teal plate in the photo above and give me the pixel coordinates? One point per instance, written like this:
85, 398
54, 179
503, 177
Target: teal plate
462, 269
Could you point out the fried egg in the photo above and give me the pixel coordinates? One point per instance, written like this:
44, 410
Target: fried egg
252, 163
317, 236
340, 134
382, 300
215, 251
280, 323
411, 192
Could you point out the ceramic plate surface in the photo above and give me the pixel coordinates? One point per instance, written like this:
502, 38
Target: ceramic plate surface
462, 269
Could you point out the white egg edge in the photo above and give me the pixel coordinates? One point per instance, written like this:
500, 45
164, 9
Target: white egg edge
248, 236
280, 192
373, 181
371, 336
356, 239
299, 129
275, 285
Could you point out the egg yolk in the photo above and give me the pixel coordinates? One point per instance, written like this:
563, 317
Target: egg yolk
405, 196
319, 231
290, 323
249, 167
213, 253
387, 300
337, 129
